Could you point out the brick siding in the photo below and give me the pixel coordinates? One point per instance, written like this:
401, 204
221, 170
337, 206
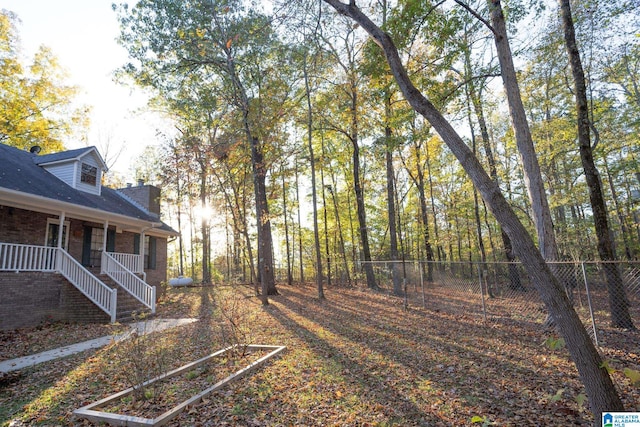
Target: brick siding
158, 275
21, 226
30, 299
33, 298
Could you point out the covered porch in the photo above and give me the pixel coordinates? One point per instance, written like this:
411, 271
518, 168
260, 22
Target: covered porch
81, 251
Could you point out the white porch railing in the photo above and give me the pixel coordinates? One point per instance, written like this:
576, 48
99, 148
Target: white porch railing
16, 257
124, 277
99, 293
131, 262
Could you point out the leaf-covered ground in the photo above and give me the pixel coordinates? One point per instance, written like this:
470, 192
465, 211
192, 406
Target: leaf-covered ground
357, 358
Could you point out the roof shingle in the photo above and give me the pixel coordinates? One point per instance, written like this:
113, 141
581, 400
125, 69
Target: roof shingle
19, 171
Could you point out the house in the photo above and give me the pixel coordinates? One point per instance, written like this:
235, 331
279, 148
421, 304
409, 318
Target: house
72, 249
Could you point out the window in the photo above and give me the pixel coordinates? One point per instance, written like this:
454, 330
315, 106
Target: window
89, 174
95, 254
53, 228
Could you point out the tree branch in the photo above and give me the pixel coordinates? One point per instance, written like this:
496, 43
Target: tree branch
476, 15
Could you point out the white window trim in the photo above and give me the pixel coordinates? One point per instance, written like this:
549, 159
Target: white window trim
66, 227
89, 166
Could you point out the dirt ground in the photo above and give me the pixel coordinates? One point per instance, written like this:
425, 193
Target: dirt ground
358, 358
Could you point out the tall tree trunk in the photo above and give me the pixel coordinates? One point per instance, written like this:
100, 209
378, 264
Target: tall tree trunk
476, 99
263, 221
192, 241
204, 221
179, 214
618, 301
598, 384
418, 181
391, 194
424, 215
240, 226
285, 214
476, 211
354, 238
265, 248
299, 226
325, 214
436, 229
533, 177
314, 192
391, 206
619, 212
343, 250
357, 187
476, 204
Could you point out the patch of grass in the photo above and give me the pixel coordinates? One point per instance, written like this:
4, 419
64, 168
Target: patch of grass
10, 407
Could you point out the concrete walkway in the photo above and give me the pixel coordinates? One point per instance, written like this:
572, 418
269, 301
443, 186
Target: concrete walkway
141, 328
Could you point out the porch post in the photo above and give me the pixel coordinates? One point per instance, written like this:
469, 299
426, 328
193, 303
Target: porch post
58, 257
104, 236
60, 229
141, 260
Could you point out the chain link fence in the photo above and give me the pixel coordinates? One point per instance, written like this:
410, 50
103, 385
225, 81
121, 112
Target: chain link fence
604, 295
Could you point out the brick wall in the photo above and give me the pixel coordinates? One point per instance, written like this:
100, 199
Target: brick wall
147, 196
30, 299
158, 275
21, 226
28, 227
124, 242
76, 238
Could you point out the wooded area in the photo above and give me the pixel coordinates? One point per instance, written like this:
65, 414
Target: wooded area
296, 108
313, 142
245, 85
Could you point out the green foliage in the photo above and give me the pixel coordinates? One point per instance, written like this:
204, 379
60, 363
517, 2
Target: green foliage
558, 396
606, 364
555, 343
186, 52
633, 375
36, 103
581, 399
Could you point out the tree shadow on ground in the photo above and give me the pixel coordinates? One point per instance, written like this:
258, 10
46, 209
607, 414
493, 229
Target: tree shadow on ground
483, 371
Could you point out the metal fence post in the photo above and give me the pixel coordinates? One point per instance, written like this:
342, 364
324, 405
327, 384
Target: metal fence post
593, 320
421, 272
484, 308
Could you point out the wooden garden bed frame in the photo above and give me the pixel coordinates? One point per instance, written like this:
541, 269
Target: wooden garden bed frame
90, 411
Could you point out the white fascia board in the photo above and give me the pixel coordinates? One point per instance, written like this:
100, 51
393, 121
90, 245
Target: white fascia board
46, 205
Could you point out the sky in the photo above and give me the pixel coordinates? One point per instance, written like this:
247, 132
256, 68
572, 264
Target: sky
82, 34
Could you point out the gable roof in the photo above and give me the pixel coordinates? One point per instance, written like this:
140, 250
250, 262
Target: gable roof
23, 180
66, 156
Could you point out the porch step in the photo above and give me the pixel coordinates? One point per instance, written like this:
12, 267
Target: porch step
128, 308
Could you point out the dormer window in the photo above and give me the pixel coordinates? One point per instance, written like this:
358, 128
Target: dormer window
89, 174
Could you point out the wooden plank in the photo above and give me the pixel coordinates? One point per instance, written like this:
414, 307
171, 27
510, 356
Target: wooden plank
88, 411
